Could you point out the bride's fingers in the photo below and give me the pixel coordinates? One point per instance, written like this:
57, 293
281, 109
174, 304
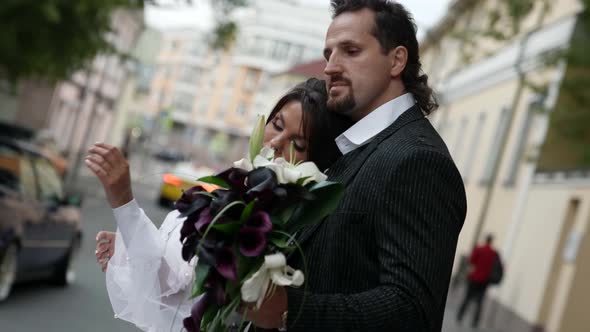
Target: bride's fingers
102, 247
110, 153
105, 236
97, 170
100, 160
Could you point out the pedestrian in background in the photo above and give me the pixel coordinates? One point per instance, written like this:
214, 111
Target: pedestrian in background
486, 270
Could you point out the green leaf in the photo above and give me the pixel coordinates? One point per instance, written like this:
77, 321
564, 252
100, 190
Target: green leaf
217, 216
281, 240
231, 307
228, 228
204, 193
302, 180
328, 195
215, 181
201, 273
257, 137
285, 215
247, 212
208, 317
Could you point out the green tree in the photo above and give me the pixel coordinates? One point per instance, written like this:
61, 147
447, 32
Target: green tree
51, 39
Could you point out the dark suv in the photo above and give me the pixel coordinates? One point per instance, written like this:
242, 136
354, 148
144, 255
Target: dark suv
40, 228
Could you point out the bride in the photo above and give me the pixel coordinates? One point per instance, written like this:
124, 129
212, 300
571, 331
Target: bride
147, 280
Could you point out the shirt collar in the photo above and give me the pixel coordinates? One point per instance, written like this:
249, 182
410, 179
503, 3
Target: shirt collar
373, 123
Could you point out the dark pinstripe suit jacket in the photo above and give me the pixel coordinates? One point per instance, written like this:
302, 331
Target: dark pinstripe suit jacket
382, 261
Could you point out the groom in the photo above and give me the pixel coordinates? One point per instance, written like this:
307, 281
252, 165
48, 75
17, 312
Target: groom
382, 261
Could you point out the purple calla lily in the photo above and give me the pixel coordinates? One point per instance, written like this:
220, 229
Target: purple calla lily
261, 221
188, 247
252, 241
192, 201
216, 287
226, 263
205, 218
262, 183
193, 322
223, 198
235, 177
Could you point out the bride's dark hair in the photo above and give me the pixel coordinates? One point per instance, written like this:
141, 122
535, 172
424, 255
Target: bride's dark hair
321, 127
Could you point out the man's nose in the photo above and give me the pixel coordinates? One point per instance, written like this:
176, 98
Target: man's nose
332, 66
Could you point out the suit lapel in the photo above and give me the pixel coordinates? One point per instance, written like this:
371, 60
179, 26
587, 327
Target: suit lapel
345, 168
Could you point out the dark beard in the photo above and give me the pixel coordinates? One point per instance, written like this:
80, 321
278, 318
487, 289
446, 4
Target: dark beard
342, 105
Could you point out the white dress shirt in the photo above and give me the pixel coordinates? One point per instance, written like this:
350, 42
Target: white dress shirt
373, 123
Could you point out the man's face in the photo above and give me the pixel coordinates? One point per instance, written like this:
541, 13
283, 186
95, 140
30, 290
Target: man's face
357, 70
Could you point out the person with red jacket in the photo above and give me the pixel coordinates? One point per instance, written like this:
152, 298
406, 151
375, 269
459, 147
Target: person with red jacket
482, 263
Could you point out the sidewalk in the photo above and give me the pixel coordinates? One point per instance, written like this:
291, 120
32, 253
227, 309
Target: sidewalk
450, 323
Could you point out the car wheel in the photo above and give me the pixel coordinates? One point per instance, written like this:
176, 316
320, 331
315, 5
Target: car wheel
65, 273
8, 267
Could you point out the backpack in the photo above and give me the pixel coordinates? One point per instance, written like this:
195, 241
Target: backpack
497, 272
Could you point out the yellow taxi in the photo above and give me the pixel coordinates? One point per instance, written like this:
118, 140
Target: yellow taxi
182, 177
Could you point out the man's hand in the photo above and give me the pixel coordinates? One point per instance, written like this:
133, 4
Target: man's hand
269, 315
112, 169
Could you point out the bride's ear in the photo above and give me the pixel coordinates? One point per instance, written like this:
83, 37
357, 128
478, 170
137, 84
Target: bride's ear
398, 58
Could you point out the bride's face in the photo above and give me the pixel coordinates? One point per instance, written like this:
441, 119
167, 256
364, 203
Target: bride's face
284, 128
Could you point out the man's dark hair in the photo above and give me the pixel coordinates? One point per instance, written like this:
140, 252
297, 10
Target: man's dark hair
489, 238
394, 26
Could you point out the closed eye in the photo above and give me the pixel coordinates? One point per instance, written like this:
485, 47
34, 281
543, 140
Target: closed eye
276, 125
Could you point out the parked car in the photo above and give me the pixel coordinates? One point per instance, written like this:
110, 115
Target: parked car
42, 139
169, 155
182, 177
40, 225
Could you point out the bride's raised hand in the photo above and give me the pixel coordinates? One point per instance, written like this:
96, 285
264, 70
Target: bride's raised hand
112, 169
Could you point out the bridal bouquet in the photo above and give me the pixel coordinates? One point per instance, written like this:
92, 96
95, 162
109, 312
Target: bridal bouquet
243, 231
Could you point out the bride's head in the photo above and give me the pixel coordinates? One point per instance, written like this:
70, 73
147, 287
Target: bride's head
300, 117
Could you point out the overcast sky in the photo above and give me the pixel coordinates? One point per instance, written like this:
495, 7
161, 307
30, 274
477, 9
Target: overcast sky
426, 13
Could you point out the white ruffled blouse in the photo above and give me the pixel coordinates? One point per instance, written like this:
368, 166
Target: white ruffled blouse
147, 280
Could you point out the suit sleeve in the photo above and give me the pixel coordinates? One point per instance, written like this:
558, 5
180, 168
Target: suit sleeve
417, 213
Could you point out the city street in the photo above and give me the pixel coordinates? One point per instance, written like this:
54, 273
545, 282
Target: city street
85, 306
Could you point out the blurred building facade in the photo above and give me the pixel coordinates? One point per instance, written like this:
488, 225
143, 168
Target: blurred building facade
84, 108
500, 101
176, 94
273, 36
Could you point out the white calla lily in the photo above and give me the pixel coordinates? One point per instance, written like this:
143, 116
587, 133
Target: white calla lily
267, 152
244, 164
310, 170
275, 270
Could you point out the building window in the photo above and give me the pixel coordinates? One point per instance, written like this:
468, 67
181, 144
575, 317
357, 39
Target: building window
225, 103
241, 110
501, 131
460, 138
473, 144
296, 53
250, 81
521, 145
280, 50
190, 74
183, 101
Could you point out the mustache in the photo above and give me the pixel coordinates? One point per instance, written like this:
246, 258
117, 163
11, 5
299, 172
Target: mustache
338, 79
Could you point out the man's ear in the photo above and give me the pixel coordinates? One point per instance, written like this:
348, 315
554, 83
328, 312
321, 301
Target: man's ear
399, 59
